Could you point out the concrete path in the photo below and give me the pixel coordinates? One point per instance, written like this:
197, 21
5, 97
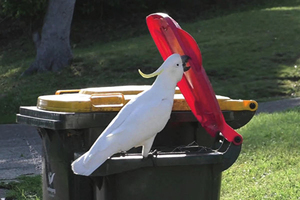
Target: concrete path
20, 152
21, 146
278, 106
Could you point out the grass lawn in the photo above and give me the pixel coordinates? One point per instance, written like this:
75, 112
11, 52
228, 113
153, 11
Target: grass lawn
269, 164
25, 188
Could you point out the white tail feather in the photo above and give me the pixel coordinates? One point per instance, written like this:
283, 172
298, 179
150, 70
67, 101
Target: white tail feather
87, 166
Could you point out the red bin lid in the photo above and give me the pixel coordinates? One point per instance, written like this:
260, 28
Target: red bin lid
194, 85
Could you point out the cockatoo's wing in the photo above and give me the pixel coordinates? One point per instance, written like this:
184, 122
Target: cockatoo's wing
85, 165
96, 156
139, 128
138, 121
119, 119
107, 137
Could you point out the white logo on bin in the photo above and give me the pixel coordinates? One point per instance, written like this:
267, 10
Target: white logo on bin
50, 177
50, 188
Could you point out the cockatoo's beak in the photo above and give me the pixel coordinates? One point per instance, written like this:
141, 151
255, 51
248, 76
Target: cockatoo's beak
185, 59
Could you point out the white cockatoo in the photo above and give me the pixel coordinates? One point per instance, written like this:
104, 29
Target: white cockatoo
139, 120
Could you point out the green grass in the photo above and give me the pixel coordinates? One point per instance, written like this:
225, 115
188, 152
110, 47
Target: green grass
269, 164
25, 188
252, 54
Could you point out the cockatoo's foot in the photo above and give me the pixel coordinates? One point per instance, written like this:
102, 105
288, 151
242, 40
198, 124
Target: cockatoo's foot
123, 153
152, 156
119, 154
152, 153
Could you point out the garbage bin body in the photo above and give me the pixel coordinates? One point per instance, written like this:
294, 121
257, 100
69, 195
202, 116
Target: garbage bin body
169, 182
173, 173
59, 182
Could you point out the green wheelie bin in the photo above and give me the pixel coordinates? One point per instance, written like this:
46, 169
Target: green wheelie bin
185, 163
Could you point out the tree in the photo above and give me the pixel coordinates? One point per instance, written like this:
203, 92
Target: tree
53, 45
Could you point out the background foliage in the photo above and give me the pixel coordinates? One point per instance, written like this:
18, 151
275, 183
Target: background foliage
23, 9
19, 17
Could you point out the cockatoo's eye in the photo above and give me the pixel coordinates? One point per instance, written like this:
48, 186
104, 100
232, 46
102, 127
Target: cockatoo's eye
177, 64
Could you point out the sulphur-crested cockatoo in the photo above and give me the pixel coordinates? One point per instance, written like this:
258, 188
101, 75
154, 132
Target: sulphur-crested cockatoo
139, 120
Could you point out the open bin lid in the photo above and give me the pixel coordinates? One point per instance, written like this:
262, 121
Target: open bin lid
109, 99
170, 38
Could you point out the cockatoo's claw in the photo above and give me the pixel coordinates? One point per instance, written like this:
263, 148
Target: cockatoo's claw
123, 153
152, 153
119, 154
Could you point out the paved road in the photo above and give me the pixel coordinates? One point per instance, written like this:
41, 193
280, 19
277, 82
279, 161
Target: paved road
277, 106
21, 147
20, 151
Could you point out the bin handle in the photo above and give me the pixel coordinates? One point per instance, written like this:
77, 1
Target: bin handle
238, 105
229, 150
107, 100
58, 92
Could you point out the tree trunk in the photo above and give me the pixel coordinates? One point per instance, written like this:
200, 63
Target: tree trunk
53, 47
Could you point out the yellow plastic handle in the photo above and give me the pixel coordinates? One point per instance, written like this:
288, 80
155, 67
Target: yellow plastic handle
58, 92
107, 100
238, 105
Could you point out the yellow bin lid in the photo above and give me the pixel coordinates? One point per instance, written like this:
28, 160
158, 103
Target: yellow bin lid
108, 99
